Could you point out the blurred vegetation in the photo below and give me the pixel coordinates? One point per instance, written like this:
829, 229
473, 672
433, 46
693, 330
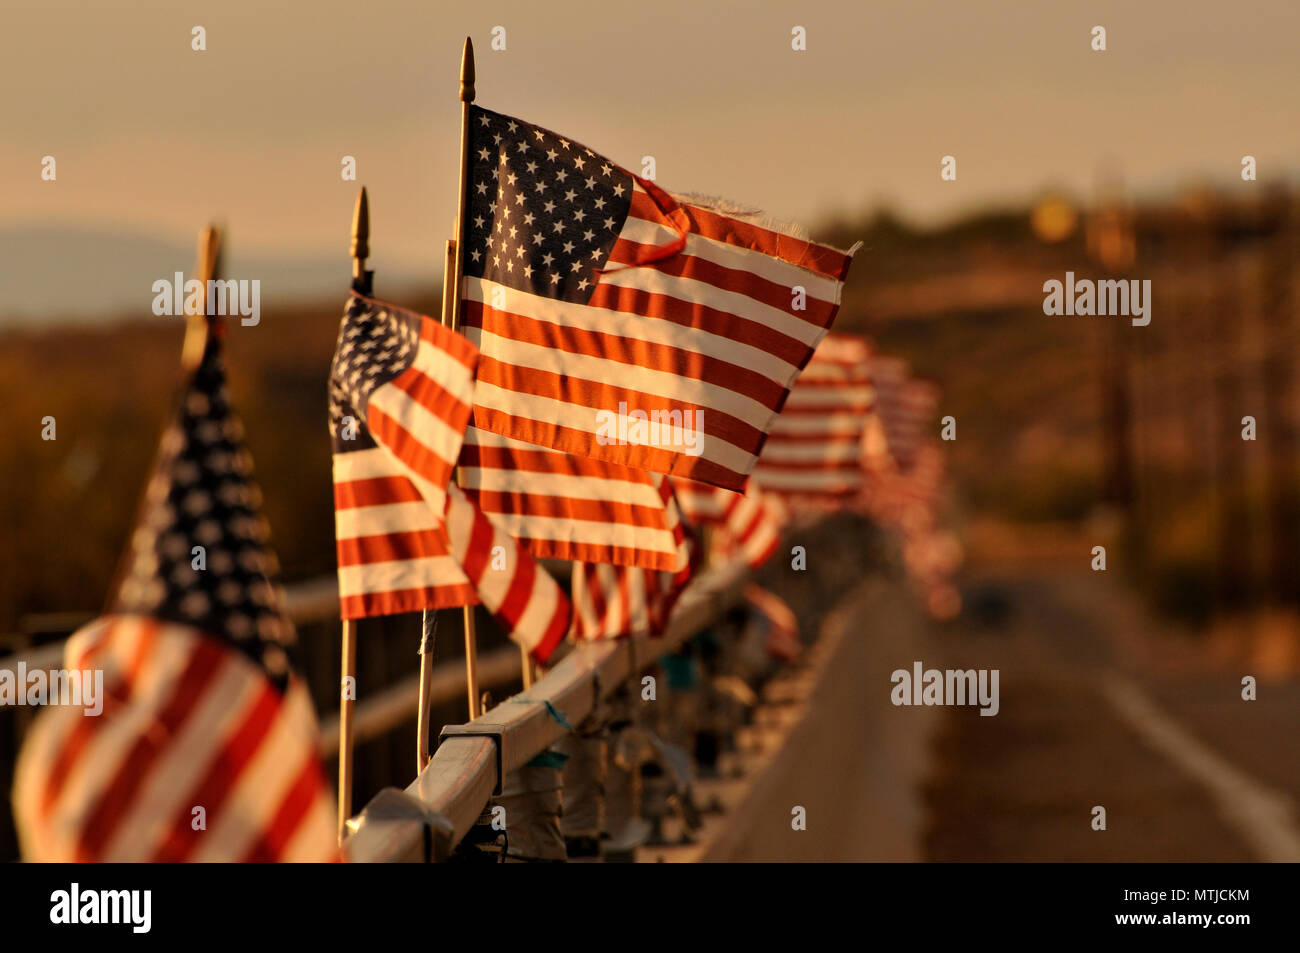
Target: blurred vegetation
962, 303
67, 505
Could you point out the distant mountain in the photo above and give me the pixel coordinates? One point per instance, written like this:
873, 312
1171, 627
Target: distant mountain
58, 274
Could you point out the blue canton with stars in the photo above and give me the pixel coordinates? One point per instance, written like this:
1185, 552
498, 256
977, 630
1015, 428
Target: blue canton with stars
202, 494
376, 344
542, 212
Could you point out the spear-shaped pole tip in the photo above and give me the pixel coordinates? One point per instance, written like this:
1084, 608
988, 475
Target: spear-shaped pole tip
467, 72
361, 227
198, 326
209, 251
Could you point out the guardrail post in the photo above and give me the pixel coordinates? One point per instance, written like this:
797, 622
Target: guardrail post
625, 830
532, 801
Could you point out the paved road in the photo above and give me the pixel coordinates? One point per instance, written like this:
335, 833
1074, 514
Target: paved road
1101, 707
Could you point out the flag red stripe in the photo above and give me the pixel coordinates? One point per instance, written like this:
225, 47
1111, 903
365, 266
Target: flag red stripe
448, 341
433, 397
388, 547
568, 507
543, 460
558, 628
519, 592
479, 548
374, 491
406, 448
294, 807
394, 602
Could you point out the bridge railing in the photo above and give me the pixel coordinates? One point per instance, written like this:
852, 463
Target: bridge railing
429, 818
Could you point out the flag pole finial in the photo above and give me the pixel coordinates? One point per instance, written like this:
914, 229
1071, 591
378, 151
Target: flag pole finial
197, 326
360, 234
467, 72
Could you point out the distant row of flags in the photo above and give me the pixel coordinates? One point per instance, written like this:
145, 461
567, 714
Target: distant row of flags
460, 462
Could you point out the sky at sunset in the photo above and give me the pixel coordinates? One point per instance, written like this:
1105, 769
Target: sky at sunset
152, 139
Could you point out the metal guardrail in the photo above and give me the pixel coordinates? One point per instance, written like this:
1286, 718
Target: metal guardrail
428, 819
438, 808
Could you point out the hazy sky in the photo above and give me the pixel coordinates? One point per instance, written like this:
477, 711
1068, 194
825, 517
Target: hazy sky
153, 139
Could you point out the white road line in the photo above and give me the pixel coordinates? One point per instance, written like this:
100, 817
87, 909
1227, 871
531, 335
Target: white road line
1263, 817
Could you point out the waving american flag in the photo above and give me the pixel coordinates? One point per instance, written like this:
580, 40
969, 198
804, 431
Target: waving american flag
813, 458
620, 322
400, 394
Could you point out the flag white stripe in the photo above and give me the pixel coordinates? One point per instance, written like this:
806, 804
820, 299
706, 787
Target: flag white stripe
383, 518
367, 464
400, 574
582, 531
541, 483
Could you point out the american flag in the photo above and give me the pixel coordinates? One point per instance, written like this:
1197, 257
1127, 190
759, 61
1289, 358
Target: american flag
743, 525
400, 394
813, 457
777, 621
906, 499
206, 745
595, 296
611, 602
562, 506
906, 406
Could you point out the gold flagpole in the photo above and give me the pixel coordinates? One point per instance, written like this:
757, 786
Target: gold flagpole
430, 623
360, 251
452, 271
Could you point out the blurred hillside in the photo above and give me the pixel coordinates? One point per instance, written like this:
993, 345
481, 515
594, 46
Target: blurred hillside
67, 504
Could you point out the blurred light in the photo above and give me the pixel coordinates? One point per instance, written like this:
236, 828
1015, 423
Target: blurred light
1053, 219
